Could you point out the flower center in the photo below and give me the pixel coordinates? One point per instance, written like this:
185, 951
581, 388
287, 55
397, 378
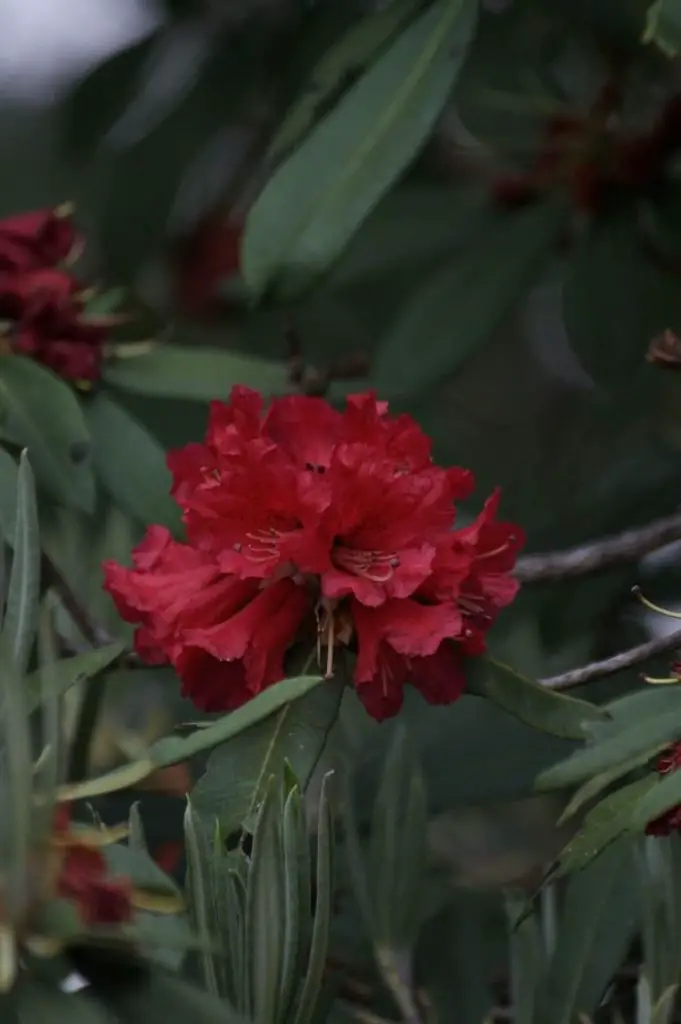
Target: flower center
377, 566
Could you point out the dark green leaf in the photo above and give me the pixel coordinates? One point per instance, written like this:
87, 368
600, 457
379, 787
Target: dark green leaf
139, 484
665, 794
312, 981
8, 496
336, 70
195, 373
601, 826
40, 412
397, 855
536, 705
237, 772
457, 309
96, 102
68, 672
598, 783
664, 26
21, 617
143, 872
527, 957
615, 300
157, 997
39, 1002
174, 749
265, 910
598, 925
319, 196
597, 757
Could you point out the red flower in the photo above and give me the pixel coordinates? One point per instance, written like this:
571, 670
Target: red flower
41, 238
82, 877
670, 821
299, 519
44, 310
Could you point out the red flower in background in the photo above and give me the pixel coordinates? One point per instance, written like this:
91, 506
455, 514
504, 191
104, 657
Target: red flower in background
41, 238
82, 877
670, 821
302, 520
42, 306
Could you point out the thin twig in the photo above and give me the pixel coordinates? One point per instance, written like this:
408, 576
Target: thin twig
600, 554
616, 663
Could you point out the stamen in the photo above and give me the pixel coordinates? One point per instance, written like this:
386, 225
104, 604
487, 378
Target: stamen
329, 648
654, 681
376, 566
654, 607
496, 551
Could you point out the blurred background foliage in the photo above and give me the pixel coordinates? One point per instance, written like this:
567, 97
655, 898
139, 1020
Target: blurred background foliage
475, 209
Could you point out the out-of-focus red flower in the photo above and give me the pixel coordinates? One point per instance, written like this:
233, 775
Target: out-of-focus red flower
35, 240
43, 311
303, 520
203, 262
82, 877
670, 821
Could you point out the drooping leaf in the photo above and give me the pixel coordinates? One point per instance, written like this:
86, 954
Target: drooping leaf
139, 484
645, 735
661, 797
456, 310
174, 749
236, 773
68, 672
41, 413
321, 194
536, 705
21, 617
599, 782
597, 927
195, 373
664, 26
603, 825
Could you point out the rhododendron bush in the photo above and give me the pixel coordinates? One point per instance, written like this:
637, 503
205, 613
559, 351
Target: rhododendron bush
339, 496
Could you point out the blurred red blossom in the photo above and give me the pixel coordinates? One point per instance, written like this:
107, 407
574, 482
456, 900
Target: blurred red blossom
303, 522
83, 877
43, 307
670, 821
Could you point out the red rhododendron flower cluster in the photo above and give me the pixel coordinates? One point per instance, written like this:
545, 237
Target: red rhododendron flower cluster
303, 522
42, 306
670, 821
82, 877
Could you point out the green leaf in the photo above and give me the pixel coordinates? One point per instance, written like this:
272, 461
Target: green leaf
8, 496
536, 705
663, 26
16, 795
143, 872
21, 617
616, 298
312, 981
199, 883
36, 1001
131, 464
68, 672
397, 854
456, 310
195, 373
665, 794
598, 925
237, 772
636, 739
322, 193
600, 782
347, 59
96, 102
41, 413
173, 749
265, 910
526, 957
602, 825
158, 997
